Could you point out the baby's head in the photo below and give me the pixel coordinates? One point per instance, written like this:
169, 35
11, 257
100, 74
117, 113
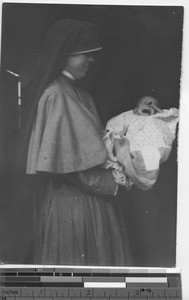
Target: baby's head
147, 106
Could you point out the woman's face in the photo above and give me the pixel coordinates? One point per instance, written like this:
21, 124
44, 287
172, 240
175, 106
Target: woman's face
78, 64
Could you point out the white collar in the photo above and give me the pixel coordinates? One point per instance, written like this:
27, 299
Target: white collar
66, 73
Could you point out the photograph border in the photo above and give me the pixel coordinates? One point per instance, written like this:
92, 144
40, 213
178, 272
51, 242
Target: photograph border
182, 251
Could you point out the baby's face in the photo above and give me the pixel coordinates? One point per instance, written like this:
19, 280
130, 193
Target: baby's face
146, 106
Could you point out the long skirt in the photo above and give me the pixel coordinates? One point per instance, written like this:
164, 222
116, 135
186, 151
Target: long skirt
77, 228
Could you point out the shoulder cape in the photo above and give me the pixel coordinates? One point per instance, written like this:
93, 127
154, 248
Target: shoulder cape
66, 136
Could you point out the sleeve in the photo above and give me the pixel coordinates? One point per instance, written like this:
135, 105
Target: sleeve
95, 180
119, 124
116, 125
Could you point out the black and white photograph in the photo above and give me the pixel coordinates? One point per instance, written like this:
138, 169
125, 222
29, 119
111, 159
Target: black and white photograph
89, 115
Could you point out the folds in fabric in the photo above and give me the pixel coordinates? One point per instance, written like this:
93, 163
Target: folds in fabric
66, 136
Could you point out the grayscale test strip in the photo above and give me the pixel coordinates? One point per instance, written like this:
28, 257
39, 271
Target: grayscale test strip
77, 283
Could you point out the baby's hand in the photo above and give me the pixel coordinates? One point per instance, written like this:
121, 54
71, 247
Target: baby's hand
105, 133
156, 108
121, 143
121, 148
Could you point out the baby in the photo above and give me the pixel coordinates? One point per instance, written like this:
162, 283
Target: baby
148, 133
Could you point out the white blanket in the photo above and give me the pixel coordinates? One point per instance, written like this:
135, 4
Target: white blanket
150, 139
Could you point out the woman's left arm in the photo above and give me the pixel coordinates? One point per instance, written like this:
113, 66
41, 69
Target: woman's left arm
94, 180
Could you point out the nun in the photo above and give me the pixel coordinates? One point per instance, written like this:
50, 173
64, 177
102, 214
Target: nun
75, 222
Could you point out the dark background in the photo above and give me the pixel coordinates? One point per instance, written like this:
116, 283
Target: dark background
142, 47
